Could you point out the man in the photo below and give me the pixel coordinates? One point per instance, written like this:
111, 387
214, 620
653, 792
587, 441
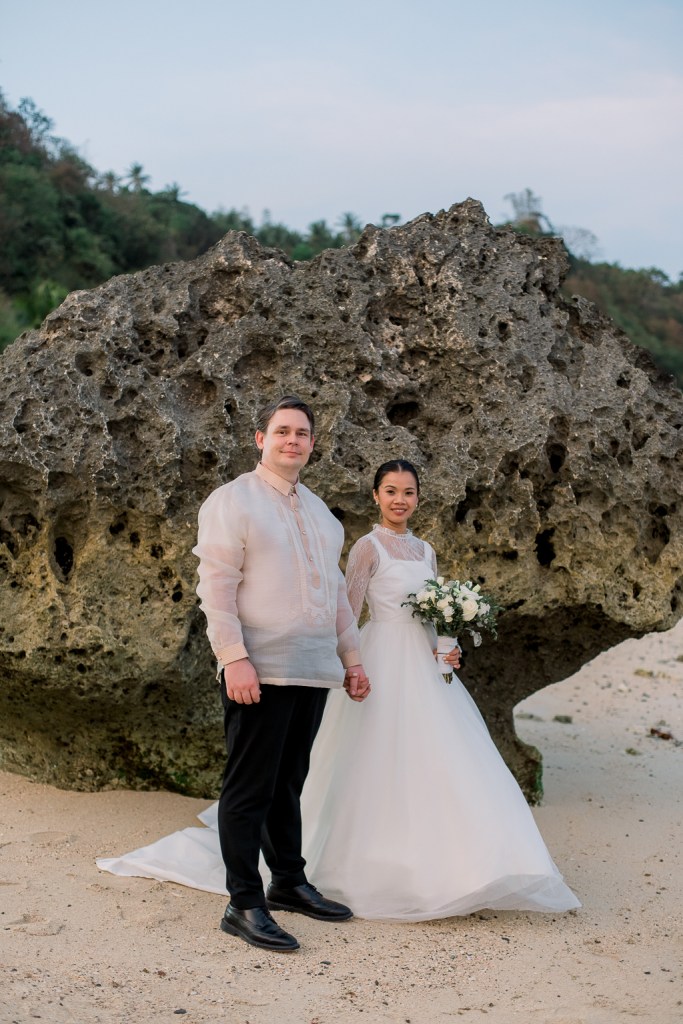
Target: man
283, 632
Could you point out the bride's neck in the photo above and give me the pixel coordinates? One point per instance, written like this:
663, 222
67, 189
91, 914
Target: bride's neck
390, 529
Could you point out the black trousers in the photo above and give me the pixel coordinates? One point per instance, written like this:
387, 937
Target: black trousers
268, 747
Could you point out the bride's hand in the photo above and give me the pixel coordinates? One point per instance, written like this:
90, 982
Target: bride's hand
356, 683
453, 657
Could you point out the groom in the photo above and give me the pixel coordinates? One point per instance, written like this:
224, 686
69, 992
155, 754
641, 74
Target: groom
283, 632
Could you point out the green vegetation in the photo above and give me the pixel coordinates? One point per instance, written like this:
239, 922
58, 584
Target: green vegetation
63, 226
644, 303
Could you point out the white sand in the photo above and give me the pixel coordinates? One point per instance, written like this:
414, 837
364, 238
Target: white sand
81, 946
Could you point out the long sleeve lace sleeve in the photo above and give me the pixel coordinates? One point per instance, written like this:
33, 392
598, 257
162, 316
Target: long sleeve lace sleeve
348, 639
361, 566
429, 628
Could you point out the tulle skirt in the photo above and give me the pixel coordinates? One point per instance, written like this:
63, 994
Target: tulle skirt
409, 810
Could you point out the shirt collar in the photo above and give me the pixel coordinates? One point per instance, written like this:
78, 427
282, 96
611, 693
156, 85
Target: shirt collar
278, 482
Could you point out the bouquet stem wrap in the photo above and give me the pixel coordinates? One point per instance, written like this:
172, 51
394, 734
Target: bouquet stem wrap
444, 645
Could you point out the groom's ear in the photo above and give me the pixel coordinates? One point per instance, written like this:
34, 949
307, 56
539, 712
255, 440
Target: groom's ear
259, 437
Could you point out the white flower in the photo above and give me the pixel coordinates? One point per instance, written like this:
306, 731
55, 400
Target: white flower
448, 616
469, 609
484, 608
477, 639
439, 580
444, 603
422, 596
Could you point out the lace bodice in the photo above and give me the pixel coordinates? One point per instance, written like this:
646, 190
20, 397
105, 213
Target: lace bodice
364, 559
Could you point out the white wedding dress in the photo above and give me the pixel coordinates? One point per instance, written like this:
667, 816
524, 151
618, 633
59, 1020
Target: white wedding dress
409, 811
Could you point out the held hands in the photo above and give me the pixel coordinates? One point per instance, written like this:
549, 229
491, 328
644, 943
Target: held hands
356, 683
241, 682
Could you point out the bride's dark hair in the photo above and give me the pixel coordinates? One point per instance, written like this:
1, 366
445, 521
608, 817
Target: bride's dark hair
395, 466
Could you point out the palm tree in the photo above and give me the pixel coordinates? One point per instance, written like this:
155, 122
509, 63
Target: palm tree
389, 220
109, 181
351, 228
136, 177
174, 192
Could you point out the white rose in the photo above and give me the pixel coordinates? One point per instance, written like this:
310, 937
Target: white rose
422, 596
443, 603
469, 609
433, 596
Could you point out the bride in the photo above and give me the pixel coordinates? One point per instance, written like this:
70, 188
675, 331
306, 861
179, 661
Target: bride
409, 811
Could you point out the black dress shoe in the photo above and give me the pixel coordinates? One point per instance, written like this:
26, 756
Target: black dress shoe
305, 899
257, 927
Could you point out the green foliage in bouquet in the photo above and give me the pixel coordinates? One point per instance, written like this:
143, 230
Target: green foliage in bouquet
453, 608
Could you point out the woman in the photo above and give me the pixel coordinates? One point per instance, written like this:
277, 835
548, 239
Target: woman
409, 811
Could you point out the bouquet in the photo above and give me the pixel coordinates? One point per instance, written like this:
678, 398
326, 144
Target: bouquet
454, 607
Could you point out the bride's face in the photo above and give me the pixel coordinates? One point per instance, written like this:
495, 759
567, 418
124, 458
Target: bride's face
397, 500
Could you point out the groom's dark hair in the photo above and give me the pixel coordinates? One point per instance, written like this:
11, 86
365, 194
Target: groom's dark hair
395, 466
286, 402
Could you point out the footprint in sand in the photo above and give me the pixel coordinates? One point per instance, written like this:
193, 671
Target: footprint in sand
51, 838
32, 924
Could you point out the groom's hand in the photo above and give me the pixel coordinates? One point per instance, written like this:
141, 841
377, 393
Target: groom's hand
241, 682
356, 683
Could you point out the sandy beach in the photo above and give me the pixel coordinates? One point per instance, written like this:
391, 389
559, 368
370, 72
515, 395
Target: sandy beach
82, 946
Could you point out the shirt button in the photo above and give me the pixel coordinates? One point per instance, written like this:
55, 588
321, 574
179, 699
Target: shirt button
310, 559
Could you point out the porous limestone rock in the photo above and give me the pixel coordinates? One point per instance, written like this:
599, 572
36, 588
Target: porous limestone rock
550, 451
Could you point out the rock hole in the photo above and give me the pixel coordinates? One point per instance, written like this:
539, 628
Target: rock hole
83, 363
7, 539
64, 555
545, 549
207, 459
557, 453
402, 413
471, 500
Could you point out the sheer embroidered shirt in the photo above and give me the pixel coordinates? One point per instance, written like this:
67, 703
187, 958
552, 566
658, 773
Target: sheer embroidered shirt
270, 583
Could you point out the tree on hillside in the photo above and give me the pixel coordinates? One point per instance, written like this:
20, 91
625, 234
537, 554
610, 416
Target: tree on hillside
351, 228
528, 213
136, 177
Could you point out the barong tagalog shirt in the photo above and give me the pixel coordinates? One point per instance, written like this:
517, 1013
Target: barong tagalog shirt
270, 583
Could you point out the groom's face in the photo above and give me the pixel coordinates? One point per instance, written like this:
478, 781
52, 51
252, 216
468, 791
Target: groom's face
287, 443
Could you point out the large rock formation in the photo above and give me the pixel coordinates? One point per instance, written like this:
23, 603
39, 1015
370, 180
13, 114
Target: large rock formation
550, 451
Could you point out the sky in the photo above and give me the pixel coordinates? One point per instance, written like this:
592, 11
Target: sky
310, 109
